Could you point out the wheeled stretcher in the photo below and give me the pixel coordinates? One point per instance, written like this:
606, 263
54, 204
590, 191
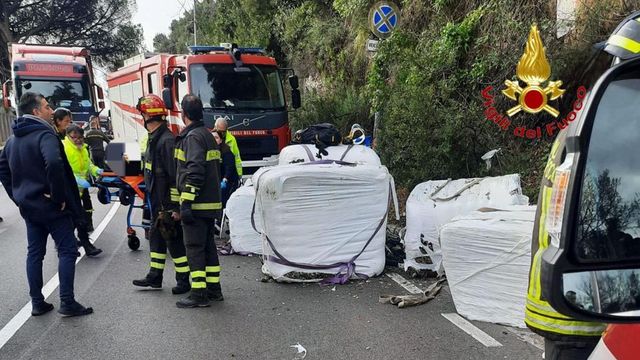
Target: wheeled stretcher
126, 189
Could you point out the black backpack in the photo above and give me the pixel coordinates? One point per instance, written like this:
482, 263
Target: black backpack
321, 135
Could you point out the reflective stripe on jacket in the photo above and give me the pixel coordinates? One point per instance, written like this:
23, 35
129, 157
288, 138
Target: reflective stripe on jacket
233, 145
539, 315
198, 170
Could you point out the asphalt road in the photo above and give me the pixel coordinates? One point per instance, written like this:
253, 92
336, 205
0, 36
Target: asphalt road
256, 321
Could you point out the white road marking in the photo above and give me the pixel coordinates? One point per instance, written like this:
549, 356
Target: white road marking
7, 332
408, 285
470, 329
528, 337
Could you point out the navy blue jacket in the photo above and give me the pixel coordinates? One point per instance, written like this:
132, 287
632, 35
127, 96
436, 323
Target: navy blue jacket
36, 174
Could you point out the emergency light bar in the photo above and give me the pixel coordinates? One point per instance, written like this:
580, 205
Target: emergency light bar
205, 49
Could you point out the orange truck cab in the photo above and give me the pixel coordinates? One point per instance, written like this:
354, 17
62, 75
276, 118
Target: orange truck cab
64, 75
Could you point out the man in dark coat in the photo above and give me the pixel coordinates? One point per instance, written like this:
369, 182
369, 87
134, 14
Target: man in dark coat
95, 139
39, 180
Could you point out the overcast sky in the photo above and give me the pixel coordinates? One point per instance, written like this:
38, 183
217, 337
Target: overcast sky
155, 16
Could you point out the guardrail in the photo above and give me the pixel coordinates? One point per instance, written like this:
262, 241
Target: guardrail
6, 118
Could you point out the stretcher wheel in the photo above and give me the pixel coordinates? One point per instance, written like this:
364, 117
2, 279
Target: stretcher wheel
126, 198
133, 242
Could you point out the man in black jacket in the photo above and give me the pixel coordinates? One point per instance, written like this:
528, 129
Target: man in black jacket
160, 179
95, 139
39, 180
198, 170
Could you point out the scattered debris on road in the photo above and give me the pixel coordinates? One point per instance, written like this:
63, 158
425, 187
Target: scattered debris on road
414, 299
302, 352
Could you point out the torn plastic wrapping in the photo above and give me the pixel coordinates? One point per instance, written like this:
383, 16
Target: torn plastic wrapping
321, 215
244, 239
434, 203
299, 153
486, 256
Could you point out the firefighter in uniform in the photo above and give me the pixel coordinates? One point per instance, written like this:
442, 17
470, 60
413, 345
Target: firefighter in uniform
198, 181
159, 179
567, 338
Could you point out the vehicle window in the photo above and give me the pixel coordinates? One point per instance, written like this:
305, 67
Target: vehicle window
608, 227
73, 95
152, 80
219, 86
183, 89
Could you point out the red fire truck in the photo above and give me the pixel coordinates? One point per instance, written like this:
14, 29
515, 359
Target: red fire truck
64, 75
242, 85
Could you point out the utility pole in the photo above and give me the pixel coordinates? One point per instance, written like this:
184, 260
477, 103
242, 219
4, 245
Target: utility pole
195, 37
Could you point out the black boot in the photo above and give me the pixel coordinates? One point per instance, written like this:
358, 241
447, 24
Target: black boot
214, 292
41, 308
182, 284
197, 298
74, 309
152, 280
91, 250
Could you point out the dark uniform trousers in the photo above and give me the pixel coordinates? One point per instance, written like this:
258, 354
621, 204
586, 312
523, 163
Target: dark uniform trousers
202, 254
158, 246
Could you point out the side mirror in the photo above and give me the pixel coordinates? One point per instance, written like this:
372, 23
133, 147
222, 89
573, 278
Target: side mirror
6, 94
293, 81
591, 269
296, 101
167, 97
167, 81
101, 104
100, 94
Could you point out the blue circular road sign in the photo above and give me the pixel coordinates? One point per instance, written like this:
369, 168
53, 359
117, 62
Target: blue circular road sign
383, 18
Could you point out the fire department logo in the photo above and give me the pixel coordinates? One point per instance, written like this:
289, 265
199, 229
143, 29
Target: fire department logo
533, 69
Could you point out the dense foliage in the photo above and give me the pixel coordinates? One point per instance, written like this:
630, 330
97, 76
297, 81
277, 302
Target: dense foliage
425, 80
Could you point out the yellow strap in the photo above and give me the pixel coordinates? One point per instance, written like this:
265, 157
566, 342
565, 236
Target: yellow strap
198, 285
157, 265
147, 165
198, 273
207, 206
213, 155
625, 43
180, 260
213, 279
187, 196
182, 269
175, 198
213, 268
174, 191
155, 255
179, 154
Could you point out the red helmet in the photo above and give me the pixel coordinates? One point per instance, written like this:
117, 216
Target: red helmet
152, 105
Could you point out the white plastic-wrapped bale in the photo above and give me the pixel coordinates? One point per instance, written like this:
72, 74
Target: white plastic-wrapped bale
299, 153
434, 203
321, 219
486, 256
244, 239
